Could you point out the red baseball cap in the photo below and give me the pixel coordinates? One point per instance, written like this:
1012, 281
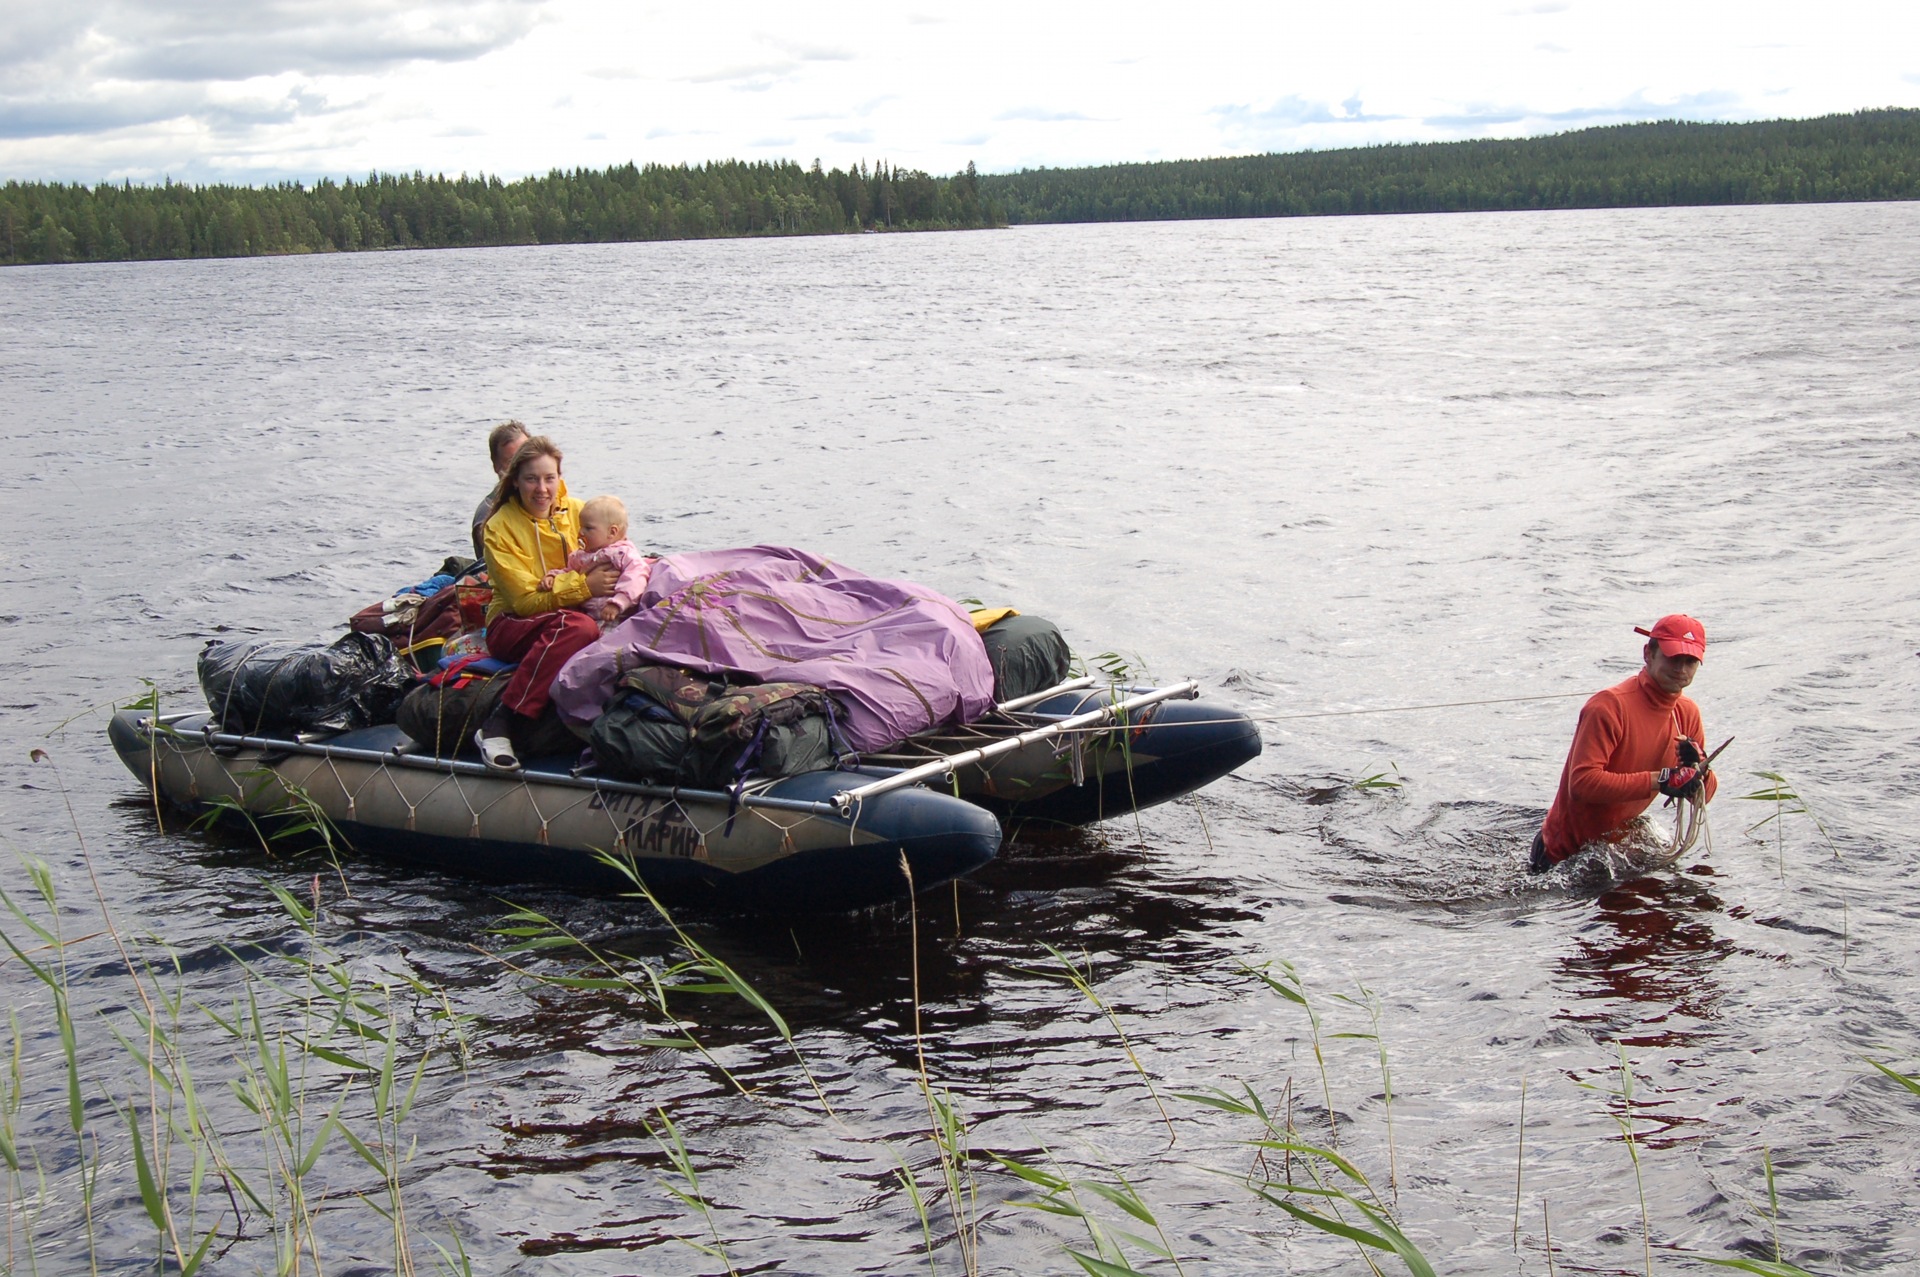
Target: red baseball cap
1678, 635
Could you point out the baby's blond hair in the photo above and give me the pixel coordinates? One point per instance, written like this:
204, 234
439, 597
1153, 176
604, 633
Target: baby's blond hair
612, 509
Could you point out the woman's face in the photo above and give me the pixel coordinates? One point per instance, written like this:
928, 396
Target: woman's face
537, 485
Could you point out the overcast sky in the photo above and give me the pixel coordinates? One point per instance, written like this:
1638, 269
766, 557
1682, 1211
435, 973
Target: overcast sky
260, 90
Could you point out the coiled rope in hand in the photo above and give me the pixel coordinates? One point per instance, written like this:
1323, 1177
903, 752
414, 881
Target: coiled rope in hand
1689, 818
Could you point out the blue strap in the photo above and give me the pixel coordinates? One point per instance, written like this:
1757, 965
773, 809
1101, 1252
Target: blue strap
484, 666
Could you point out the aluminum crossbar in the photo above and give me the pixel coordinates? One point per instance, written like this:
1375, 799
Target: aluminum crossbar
847, 799
1021, 702
423, 762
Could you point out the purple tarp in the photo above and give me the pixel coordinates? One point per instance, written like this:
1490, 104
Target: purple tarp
900, 657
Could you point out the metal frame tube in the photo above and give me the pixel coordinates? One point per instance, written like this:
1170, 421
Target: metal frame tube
1021, 702
421, 762
846, 799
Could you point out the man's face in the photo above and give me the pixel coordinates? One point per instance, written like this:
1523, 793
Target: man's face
1670, 673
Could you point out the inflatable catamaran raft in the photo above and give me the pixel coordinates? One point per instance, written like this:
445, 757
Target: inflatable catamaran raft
894, 815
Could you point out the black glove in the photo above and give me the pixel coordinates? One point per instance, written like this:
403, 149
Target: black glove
1681, 782
1688, 752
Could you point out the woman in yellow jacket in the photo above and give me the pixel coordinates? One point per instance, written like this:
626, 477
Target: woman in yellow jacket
534, 526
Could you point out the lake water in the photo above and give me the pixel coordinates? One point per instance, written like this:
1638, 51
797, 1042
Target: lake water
1353, 464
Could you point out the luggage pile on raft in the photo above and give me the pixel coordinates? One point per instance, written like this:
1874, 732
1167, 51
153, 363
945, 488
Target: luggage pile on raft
734, 666
766, 730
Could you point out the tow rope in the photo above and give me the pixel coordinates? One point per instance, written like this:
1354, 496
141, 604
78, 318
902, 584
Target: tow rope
1689, 817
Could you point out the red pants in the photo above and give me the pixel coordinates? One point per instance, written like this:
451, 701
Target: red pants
541, 645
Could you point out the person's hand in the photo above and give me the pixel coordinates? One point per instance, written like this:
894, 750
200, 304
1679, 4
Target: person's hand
546, 582
1681, 782
602, 579
608, 610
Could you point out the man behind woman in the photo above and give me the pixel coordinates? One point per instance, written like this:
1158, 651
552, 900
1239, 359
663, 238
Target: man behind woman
551, 590
502, 442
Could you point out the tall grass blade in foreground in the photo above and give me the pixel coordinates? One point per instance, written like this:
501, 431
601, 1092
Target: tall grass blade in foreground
668, 1138
1762, 1267
1909, 1081
1519, 1161
949, 1130
1083, 981
323, 1059
1061, 1195
1788, 803
1623, 1118
701, 973
1289, 985
1387, 1238
1369, 1002
1316, 1162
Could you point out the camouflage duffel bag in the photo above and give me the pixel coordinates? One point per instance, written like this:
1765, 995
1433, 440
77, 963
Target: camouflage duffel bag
676, 726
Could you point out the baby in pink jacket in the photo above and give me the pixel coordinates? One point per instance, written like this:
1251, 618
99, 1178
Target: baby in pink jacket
603, 539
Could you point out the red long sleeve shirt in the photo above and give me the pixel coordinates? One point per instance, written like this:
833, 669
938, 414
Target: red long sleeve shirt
1626, 735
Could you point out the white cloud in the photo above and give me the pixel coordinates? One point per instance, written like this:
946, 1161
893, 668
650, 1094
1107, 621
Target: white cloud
220, 89
228, 40
1041, 115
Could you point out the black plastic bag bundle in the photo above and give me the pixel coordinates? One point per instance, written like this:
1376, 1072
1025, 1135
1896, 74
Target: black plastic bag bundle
268, 687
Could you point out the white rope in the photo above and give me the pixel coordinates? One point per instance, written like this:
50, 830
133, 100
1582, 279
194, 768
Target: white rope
1335, 713
1689, 818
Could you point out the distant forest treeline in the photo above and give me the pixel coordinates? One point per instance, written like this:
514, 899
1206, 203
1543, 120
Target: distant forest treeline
1870, 155
52, 222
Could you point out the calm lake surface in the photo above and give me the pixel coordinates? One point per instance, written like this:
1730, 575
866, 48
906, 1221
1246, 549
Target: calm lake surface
1322, 465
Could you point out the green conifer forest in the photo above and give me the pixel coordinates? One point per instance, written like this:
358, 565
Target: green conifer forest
53, 222
1868, 155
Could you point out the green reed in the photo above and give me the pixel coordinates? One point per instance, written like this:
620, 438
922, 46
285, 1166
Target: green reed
688, 1189
700, 973
1389, 779
307, 1108
1062, 1195
948, 1129
1083, 981
1777, 1266
1786, 802
312, 1049
1911, 1082
1369, 1001
1623, 1118
1289, 985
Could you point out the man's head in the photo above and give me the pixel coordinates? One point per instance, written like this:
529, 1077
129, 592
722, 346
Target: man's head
1675, 646
503, 441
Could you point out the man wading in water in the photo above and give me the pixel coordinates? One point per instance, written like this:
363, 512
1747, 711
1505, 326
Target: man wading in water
1636, 740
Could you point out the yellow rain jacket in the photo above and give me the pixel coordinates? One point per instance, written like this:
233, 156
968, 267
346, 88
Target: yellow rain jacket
520, 552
